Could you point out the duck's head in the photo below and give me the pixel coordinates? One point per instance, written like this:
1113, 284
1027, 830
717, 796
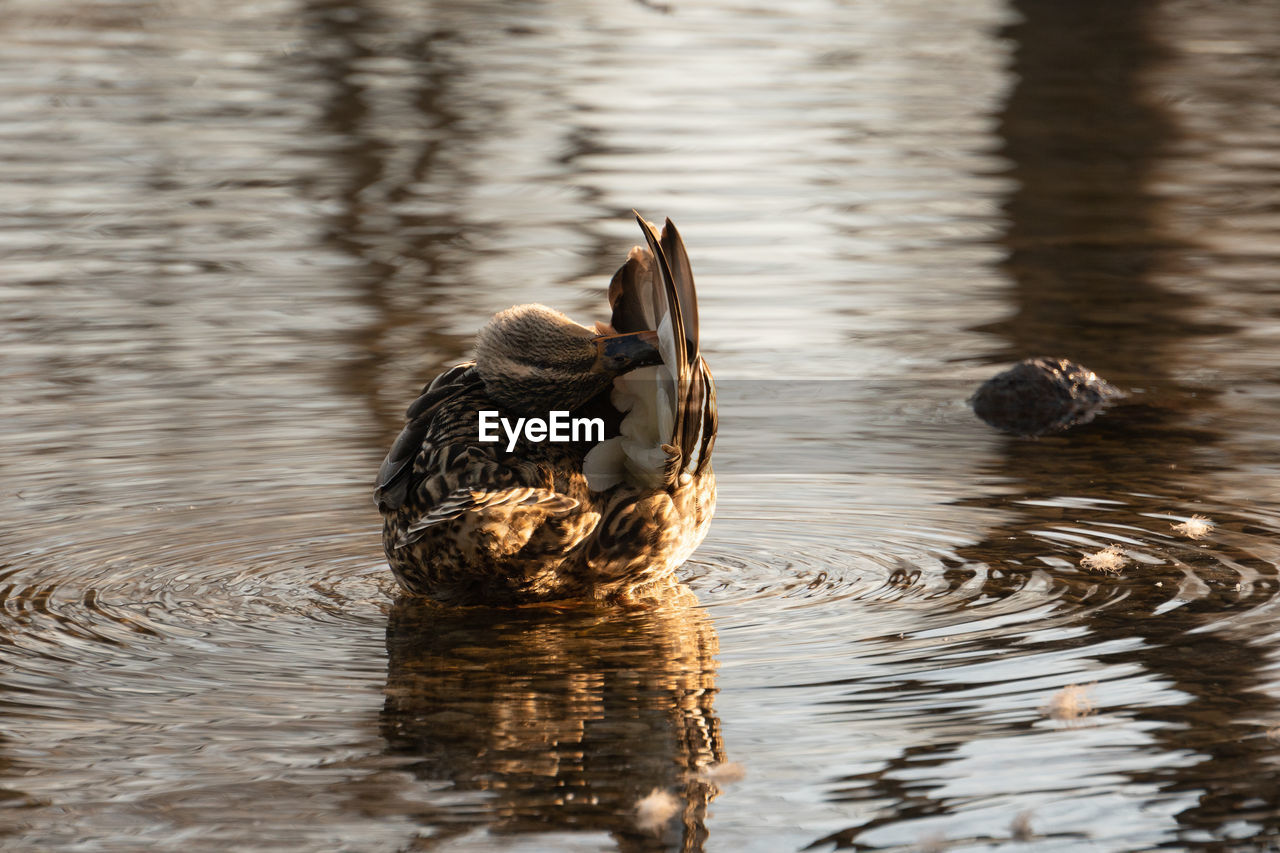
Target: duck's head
536, 360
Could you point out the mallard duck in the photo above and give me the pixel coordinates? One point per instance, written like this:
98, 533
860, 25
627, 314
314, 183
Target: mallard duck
607, 515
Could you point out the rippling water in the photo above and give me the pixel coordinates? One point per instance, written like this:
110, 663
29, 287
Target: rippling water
238, 236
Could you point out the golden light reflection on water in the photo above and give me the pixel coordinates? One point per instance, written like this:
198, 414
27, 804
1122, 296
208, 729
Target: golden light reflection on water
584, 712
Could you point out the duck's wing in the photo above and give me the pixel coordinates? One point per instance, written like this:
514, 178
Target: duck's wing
498, 502
395, 477
671, 426
694, 404
436, 473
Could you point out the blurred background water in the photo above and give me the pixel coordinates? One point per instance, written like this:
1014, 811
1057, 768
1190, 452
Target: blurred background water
238, 236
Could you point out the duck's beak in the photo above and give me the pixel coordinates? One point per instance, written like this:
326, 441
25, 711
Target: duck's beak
616, 354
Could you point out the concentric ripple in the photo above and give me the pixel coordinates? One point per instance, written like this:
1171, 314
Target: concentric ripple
1034, 555
898, 629
194, 586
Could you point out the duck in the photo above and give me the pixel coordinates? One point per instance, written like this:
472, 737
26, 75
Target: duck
606, 514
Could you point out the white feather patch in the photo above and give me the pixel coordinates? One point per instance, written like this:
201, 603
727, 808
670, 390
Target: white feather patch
636, 456
603, 465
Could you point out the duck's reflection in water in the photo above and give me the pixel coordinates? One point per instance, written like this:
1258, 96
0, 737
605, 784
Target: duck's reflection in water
567, 717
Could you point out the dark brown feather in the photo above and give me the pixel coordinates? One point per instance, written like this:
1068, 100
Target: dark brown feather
624, 298
395, 476
682, 279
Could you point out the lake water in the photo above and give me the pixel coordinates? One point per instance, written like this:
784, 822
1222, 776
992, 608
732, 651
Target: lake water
238, 236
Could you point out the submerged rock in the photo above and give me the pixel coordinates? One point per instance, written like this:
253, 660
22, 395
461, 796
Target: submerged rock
1043, 395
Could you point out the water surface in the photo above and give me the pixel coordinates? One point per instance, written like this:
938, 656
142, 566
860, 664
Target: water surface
239, 236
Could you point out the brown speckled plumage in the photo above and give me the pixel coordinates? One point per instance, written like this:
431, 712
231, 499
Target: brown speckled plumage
472, 522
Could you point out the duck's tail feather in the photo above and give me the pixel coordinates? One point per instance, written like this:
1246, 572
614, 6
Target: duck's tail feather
686, 297
654, 290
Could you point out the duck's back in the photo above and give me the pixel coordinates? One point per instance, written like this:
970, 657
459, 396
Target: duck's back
476, 522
